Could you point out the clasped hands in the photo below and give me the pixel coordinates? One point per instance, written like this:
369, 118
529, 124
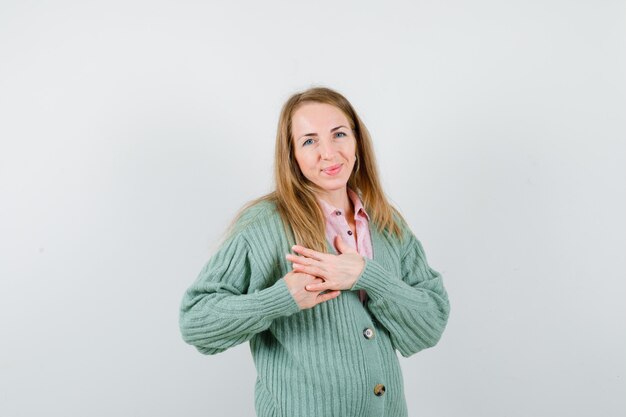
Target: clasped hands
319, 277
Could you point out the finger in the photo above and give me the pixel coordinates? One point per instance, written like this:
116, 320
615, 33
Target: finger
309, 253
304, 275
342, 246
312, 270
321, 286
310, 279
301, 259
328, 296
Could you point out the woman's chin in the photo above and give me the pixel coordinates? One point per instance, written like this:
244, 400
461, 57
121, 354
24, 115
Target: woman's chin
332, 186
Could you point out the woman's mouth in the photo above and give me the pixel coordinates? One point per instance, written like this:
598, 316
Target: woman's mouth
333, 170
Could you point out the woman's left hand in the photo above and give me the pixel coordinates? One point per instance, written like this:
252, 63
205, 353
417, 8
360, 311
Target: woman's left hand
339, 272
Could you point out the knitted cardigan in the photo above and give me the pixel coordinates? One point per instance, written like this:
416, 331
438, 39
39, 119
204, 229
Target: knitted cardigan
324, 361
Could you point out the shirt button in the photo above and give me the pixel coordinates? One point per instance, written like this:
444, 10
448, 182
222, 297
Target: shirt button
368, 333
379, 390
350, 232
338, 213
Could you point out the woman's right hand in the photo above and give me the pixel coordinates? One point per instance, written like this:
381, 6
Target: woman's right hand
297, 281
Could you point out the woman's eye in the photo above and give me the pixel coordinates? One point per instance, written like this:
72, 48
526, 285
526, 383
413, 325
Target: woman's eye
307, 142
341, 133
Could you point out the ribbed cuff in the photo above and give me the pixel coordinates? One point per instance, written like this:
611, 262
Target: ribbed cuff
377, 282
277, 301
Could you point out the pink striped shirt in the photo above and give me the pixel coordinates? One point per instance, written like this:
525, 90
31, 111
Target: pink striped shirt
336, 224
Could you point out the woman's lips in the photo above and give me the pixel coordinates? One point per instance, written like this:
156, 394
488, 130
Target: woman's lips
334, 170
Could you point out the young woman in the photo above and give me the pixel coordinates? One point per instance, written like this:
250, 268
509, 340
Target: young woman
323, 276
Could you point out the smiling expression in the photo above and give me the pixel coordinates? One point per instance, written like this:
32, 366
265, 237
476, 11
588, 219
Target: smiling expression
324, 145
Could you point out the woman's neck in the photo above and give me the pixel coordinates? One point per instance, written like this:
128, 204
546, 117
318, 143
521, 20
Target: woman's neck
339, 199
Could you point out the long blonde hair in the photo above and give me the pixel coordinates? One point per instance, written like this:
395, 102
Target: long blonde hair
294, 195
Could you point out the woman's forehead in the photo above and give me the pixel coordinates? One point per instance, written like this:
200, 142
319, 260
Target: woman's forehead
311, 117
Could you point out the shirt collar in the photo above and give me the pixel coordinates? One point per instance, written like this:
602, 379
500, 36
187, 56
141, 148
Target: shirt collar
330, 210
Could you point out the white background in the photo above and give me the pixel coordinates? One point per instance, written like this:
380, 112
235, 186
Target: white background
132, 131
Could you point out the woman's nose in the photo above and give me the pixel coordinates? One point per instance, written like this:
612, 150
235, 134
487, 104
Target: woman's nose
326, 148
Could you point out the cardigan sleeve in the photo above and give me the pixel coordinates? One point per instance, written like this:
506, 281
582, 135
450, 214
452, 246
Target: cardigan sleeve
217, 312
413, 307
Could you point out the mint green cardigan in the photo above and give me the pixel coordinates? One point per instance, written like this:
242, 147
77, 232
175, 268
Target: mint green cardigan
328, 360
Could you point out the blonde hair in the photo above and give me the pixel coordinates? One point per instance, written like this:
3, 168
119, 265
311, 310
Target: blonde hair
295, 196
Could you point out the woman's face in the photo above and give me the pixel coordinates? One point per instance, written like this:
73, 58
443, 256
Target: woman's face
324, 145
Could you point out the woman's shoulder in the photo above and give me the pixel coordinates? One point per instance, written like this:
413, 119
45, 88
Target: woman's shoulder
259, 229
257, 209
400, 223
256, 216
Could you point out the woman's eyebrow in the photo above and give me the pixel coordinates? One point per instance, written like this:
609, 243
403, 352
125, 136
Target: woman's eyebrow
331, 130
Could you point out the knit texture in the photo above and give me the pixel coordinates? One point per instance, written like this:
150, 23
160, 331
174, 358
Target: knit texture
316, 362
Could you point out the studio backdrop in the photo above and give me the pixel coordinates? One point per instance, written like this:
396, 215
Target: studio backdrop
131, 132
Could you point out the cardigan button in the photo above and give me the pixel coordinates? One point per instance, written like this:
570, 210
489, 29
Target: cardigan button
379, 390
368, 333
350, 232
